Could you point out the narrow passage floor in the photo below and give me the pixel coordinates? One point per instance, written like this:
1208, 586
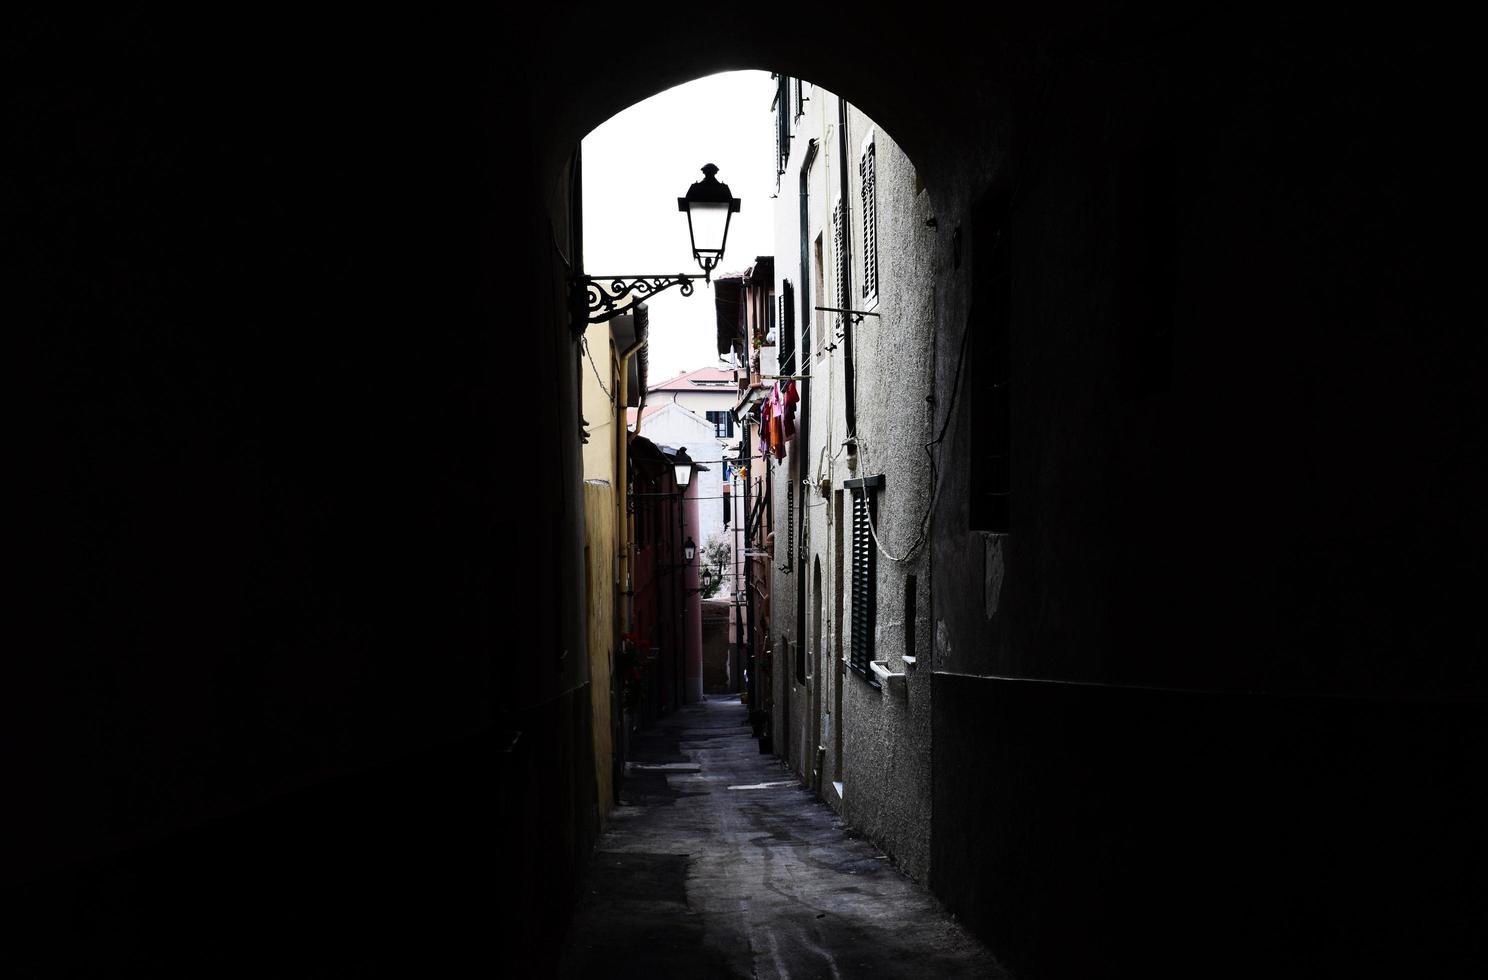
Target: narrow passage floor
719, 864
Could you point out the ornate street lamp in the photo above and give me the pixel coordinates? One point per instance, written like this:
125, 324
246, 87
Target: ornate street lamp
708, 205
683, 473
689, 549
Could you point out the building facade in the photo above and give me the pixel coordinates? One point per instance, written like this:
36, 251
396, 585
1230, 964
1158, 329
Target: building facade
851, 589
668, 423
610, 385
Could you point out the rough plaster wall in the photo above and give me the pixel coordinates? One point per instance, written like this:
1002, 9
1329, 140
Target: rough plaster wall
887, 733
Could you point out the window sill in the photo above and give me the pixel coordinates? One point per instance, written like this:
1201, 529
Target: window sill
888, 680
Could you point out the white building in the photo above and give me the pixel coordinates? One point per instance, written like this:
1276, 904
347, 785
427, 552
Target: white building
710, 392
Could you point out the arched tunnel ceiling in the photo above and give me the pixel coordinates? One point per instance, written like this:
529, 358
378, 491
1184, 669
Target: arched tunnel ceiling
916, 77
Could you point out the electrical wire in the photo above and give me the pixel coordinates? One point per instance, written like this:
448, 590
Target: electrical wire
935, 481
590, 357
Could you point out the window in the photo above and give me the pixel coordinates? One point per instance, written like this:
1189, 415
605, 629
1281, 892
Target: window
723, 423
809, 297
864, 578
868, 174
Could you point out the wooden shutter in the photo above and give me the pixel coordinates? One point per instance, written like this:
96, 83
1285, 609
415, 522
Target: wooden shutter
863, 591
790, 524
839, 254
787, 328
867, 171
782, 123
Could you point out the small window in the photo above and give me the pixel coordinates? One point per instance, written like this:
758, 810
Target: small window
723, 424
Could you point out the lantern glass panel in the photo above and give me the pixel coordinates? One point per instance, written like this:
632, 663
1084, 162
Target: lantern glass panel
709, 226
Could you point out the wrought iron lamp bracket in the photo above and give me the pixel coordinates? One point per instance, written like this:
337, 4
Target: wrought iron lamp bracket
602, 298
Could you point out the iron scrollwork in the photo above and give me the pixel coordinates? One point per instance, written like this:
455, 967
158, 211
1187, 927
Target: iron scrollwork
609, 296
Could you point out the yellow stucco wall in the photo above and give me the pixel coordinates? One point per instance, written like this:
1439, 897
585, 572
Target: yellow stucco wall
599, 547
599, 408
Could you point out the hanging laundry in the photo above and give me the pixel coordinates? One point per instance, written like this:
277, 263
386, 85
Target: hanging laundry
788, 400
777, 423
764, 427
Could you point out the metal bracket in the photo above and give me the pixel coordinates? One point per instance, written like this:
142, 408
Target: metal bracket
602, 298
857, 315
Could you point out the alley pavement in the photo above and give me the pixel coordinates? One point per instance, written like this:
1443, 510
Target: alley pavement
718, 863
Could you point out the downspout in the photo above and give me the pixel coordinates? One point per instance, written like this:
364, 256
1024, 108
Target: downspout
745, 613
622, 474
849, 382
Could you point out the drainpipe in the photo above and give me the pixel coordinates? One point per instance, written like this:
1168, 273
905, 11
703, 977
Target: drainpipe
744, 612
848, 381
622, 475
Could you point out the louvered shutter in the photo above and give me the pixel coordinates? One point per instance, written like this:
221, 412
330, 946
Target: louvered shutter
782, 123
863, 590
839, 253
787, 333
790, 525
867, 170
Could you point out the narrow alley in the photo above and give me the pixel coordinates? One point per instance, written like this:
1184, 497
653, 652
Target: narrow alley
718, 863
972, 490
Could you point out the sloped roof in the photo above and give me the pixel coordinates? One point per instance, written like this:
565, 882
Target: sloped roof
701, 379
650, 410
654, 410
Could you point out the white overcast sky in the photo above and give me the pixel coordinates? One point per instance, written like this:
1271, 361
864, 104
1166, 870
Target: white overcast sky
640, 161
